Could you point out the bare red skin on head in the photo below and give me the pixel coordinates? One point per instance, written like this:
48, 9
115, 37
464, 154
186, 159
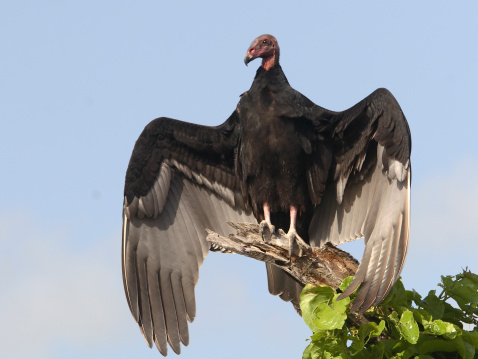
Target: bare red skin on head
269, 51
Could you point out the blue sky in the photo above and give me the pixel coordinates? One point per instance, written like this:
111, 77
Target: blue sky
80, 80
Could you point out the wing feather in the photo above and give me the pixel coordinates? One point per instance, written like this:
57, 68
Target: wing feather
163, 254
283, 284
146, 322
369, 196
159, 320
376, 209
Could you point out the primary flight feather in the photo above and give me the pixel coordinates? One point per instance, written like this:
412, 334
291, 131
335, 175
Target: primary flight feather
281, 160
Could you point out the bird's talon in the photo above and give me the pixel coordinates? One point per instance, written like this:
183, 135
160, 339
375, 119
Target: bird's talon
271, 228
294, 237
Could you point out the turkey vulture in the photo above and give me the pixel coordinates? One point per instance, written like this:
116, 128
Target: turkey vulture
281, 160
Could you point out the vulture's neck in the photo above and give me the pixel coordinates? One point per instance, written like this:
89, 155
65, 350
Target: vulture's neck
271, 61
274, 78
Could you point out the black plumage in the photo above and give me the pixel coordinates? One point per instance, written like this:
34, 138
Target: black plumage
279, 159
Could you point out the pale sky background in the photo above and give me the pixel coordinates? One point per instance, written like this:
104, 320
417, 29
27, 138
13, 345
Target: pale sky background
80, 80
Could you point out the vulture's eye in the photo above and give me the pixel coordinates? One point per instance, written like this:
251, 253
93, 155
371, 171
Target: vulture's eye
264, 42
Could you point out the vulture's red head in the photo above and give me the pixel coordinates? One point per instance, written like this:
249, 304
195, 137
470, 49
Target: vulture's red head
266, 47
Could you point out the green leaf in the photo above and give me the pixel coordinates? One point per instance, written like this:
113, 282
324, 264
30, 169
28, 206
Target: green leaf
394, 317
378, 330
472, 277
437, 345
417, 298
319, 335
439, 327
470, 343
320, 309
469, 350
377, 351
453, 315
398, 297
311, 352
310, 298
460, 347
365, 333
408, 327
342, 305
328, 318
446, 282
357, 344
471, 337
371, 330
422, 316
462, 294
434, 305
403, 349
326, 347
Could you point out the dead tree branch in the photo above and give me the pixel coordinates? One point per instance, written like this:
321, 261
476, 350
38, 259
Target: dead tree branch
327, 265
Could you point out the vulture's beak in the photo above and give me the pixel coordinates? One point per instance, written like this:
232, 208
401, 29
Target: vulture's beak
248, 58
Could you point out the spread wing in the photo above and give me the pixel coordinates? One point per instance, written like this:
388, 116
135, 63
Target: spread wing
180, 180
368, 192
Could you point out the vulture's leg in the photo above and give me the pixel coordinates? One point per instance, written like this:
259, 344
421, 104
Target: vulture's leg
266, 221
292, 234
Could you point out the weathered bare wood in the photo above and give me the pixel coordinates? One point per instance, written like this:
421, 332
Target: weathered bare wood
327, 265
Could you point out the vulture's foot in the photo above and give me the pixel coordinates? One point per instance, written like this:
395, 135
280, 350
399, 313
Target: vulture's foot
263, 231
295, 238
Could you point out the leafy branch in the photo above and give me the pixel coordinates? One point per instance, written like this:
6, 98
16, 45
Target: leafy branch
404, 325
